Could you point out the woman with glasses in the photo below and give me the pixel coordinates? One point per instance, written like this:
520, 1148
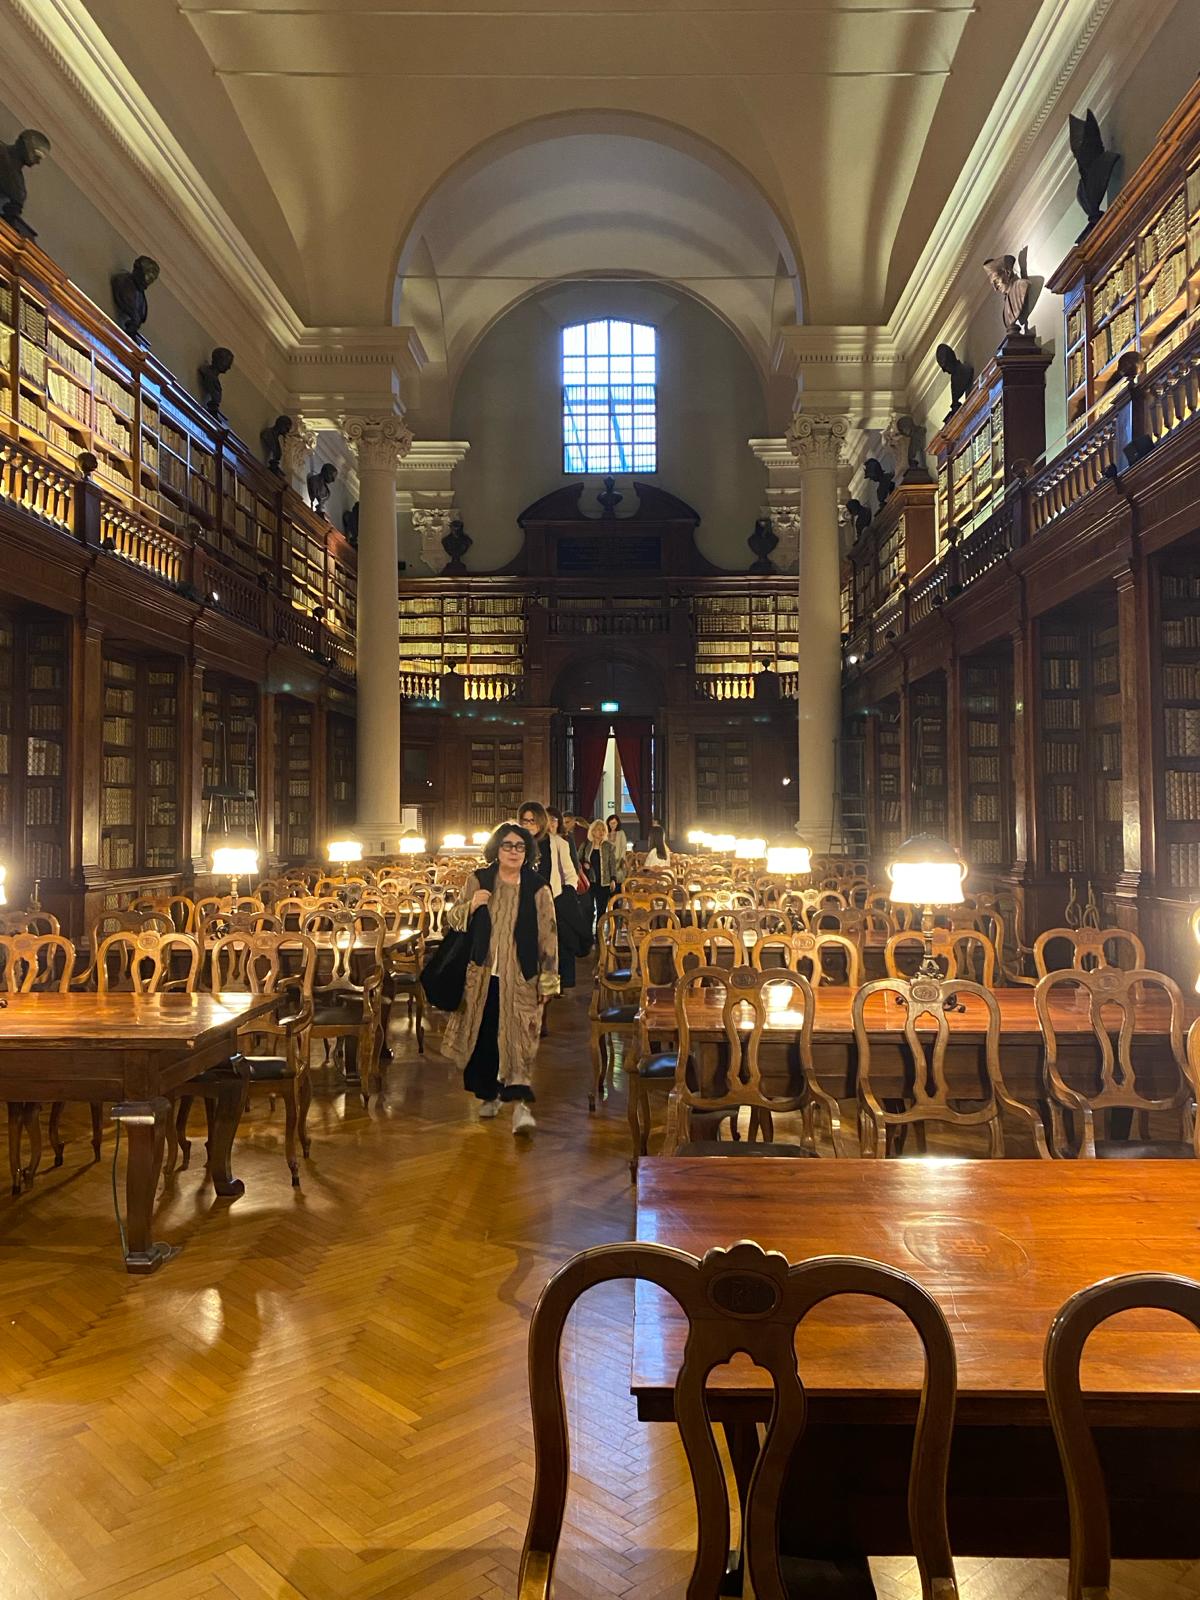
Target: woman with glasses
507, 912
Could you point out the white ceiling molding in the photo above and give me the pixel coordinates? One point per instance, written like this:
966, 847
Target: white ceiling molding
332, 371
138, 171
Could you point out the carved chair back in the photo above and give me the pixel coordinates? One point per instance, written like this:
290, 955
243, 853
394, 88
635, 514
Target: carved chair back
1113, 995
1087, 1495
806, 953
28, 922
966, 953
746, 995
1091, 947
665, 954
926, 1095
147, 963
261, 963
849, 921
739, 1299
179, 908
35, 963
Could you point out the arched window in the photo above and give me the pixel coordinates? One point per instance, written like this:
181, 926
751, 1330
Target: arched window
609, 378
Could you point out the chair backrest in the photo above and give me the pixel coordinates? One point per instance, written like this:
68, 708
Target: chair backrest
220, 923
665, 954
143, 962
926, 1096
35, 963
180, 908
292, 908
848, 920
967, 953
798, 951
739, 1299
1087, 1496
745, 989
261, 963
1090, 947
28, 922
1114, 992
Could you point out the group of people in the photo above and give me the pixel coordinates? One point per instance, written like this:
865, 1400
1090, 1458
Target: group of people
529, 913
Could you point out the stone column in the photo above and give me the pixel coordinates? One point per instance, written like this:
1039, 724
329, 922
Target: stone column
380, 442
817, 443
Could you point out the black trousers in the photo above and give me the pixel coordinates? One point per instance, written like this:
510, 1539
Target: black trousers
600, 897
481, 1075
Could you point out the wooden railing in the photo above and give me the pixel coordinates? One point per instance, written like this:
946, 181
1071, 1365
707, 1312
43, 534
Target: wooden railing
1172, 394
928, 592
1091, 458
134, 539
36, 485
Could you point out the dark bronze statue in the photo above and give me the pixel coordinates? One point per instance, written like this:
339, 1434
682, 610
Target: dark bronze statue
960, 373
762, 541
873, 472
272, 442
129, 295
211, 373
320, 487
859, 516
350, 524
456, 544
1096, 165
25, 151
1014, 287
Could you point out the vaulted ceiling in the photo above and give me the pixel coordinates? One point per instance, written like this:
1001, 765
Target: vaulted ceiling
482, 145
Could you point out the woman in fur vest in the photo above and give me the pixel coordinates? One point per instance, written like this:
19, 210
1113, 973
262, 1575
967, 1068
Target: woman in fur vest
507, 911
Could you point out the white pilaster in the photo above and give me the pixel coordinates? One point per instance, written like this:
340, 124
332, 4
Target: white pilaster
381, 442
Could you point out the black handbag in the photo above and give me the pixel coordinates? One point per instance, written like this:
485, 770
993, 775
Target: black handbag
573, 922
444, 975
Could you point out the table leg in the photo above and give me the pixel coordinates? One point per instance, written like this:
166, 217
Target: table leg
231, 1101
742, 1440
144, 1124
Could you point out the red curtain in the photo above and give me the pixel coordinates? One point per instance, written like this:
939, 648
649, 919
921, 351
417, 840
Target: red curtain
633, 747
591, 746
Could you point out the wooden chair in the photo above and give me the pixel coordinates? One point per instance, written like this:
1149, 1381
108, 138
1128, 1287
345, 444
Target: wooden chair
798, 950
265, 963
403, 962
1114, 1084
967, 954
34, 963
1090, 948
884, 1120
743, 1299
179, 908
847, 920
144, 963
744, 989
1087, 1497
36, 922
616, 989
110, 922
665, 954
348, 998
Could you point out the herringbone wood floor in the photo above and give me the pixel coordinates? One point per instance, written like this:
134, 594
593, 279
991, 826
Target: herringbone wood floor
324, 1395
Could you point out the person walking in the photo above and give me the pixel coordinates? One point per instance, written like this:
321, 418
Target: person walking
605, 872
658, 854
507, 912
564, 828
616, 837
551, 860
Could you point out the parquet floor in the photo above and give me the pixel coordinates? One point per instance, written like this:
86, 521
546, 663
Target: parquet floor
324, 1395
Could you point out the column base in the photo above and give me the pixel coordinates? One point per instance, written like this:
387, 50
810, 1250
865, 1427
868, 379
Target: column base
378, 838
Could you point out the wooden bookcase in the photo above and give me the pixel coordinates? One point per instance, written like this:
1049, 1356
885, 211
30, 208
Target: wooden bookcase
139, 776
987, 775
736, 636
889, 808
497, 768
1105, 756
928, 750
1179, 715
480, 637
33, 758
723, 781
294, 761
341, 799
229, 759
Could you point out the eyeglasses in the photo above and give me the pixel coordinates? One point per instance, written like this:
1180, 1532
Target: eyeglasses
513, 844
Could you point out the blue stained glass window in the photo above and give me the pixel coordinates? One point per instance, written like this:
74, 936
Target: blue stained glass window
609, 385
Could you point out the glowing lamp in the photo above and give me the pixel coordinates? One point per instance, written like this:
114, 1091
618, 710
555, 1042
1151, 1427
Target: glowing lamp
789, 860
697, 836
454, 841
3, 893
233, 861
412, 844
344, 851
779, 996
480, 838
749, 849
926, 871
723, 843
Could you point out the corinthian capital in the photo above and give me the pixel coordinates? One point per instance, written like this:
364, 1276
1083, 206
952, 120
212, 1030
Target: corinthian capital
816, 441
381, 442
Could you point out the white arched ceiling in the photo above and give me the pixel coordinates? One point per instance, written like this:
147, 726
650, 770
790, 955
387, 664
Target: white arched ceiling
568, 201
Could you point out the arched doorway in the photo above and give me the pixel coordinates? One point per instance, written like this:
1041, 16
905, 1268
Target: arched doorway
605, 744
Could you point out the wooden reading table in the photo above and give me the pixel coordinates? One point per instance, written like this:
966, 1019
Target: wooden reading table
1000, 1245
133, 1050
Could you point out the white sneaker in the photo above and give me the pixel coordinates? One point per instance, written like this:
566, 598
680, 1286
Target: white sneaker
489, 1108
523, 1118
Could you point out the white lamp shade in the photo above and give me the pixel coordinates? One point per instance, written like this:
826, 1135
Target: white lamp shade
749, 849
723, 843
343, 850
481, 837
697, 836
454, 841
927, 872
789, 859
234, 860
412, 845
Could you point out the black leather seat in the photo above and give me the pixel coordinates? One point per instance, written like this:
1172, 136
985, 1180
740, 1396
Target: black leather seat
620, 1014
338, 1013
659, 1066
263, 1069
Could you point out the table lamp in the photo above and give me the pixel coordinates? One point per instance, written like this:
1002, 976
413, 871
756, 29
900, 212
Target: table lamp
480, 838
454, 841
926, 871
232, 860
412, 844
344, 852
749, 849
789, 860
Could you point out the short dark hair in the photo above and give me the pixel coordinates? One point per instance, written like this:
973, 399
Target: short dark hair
491, 849
538, 810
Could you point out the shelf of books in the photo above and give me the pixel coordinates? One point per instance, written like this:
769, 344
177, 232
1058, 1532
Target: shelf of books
44, 772
1104, 668
293, 780
139, 779
1061, 746
247, 534
889, 816
723, 782
928, 754
178, 469
497, 775
478, 637
1179, 702
736, 636
987, 713
229, 759
340, 736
